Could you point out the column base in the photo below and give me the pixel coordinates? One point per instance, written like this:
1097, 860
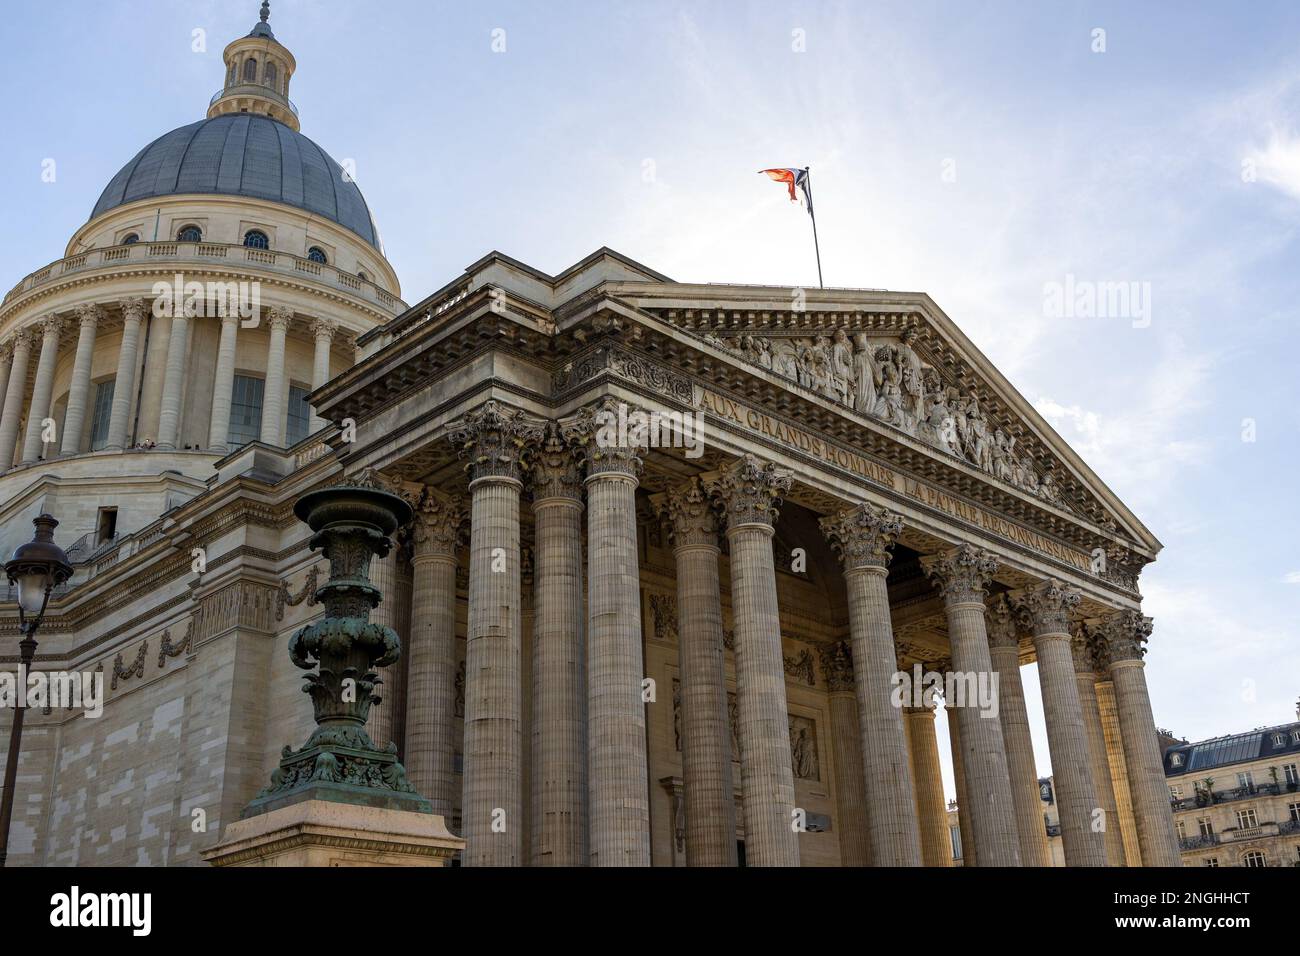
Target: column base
324, 833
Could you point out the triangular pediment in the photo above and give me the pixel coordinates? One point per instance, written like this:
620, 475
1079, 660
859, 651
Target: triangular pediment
898, 360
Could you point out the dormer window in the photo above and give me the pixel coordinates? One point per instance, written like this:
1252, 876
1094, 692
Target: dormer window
256, 239
317, 254
1279, 740
1295, 736
1175, 760
250, 71
189, 234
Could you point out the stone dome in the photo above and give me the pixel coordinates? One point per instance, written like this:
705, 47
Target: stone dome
243, 154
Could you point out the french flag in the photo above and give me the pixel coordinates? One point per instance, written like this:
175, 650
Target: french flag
792, 178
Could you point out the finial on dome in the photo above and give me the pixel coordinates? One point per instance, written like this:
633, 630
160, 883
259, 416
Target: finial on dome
266, 10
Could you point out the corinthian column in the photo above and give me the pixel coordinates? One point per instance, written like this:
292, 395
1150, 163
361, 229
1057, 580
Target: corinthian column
620, 812
15, 392
931, 813
1004, 650
1126, 634
863, 537
559, 725
750, 493
1086, 681
430, 751
962, 575
706, 734
223, 385
275, 394
169, 414
6, 365
33, 445
124, 382
493, 439
1115, 746
323, 331
1048, 607
846, 747
74, 418
966, 829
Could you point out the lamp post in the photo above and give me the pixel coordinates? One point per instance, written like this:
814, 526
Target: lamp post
37, 567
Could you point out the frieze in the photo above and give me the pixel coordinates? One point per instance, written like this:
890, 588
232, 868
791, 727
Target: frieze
635, 368
801, 667
283, 596
123, 671
167, 649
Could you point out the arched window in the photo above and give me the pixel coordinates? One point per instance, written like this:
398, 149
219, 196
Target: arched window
250, 70
317, 254
190, 234
1254, 858
230, 77
268, 75
130, 239
256, 239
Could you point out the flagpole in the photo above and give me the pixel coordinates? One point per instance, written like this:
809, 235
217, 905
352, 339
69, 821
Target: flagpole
807, 171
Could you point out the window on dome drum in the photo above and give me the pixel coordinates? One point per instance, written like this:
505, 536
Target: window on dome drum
103, 411
299, 416
230, 77
268, 75
130, 239
245, 410
1254, 858
256, 239
250, 71
317, 254
190, 234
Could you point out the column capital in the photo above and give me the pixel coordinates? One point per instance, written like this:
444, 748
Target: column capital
88, 315
6, 350
279, 318
23, 338
961, 574
692, 515
611, 434
133, 309
1126, 634
323, 328
496, 440
837, 665
51, 326
863, 536
556, 467
750, 491
438, 527
1005, 622
1047, 607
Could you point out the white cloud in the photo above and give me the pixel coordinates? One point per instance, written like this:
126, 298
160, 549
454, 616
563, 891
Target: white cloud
1278, 164
1291, 577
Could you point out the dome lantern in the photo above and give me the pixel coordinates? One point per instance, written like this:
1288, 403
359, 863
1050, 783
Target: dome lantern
258, 71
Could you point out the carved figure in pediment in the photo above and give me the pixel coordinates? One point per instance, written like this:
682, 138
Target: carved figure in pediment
785, 359
981, 445
866, 376
1049, 490
805, 359
823, 369
1028, 477
1001, 451
939, 427
764, 353
842, 366
889, 402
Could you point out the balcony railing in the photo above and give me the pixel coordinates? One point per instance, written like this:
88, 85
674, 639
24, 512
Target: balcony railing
204, 253
1196, 842
1227, 796
254, 89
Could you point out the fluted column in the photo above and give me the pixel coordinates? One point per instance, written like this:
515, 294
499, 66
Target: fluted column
494, 439
1126, 635
750, 493
74, 418
927, 777
323, 331
223, 386
962, 575
863, 537
153, 378
1048, 606
1115, 753
559, 707
965, 827
6, 366
275, 394
1004, 628
430, 751
33, 445
169, 413
620, 812
1085, 681
706, 734
846, 749
119, 417
392, 575
15, 393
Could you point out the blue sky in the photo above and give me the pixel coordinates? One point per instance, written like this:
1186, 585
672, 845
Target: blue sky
972, 151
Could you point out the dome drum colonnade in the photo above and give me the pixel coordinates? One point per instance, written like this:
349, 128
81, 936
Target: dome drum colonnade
898, 817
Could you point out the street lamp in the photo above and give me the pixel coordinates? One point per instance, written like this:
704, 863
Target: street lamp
37, 567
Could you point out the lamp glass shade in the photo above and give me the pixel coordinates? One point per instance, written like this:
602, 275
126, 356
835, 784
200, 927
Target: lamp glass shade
31, 591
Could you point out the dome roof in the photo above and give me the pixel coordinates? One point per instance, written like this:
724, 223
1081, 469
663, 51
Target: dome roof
243, 154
